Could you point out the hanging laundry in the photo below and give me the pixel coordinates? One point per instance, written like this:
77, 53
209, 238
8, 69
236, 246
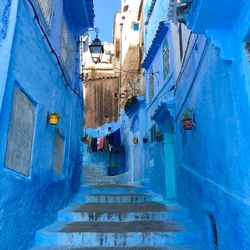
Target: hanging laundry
109, 140
100, 143
94, 144
105, 145
116, 138
89, 144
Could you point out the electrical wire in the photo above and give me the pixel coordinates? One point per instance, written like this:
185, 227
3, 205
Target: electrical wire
36, 17
183, 67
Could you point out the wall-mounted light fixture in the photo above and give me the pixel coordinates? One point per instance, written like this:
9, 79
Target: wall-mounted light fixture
96, 49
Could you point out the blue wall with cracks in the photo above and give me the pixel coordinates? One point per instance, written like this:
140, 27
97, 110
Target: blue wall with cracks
28, 203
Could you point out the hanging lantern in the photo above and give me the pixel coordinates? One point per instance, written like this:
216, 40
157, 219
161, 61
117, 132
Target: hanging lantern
96, 50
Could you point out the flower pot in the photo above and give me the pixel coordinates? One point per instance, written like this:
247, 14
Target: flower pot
85, 140
188, 124
135, 140
145, 140
158, 139
54, 119
158, 136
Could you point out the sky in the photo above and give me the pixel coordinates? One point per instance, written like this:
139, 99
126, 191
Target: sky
104, 17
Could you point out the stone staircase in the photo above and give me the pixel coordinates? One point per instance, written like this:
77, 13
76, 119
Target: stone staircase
95, 176
111, 216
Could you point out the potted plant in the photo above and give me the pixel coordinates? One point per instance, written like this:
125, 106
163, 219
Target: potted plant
187, 120
135, 140
53, 118
85, 139
145, 139
158, 135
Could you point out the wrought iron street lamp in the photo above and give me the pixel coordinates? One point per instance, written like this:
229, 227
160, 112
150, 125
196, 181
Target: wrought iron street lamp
96, 50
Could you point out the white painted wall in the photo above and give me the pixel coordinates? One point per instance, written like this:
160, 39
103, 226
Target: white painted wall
130, 37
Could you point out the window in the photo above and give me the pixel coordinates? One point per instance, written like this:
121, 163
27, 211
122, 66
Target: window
151, 83
125, 9
58, 154
46, 9
247, 50
165, 56
136, 26
21, 132
67, 49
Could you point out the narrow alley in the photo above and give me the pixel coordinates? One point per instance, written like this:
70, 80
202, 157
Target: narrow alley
124, 124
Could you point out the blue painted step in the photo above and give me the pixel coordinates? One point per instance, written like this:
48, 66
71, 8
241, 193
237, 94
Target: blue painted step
120, 234
121, 217
122, 212
116, 198
182, 247
113, 189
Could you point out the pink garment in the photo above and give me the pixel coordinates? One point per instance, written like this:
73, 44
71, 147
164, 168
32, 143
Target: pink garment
100, 144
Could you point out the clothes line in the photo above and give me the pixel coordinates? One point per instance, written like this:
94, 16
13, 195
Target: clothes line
102, 143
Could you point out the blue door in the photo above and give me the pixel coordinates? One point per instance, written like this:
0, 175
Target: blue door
169, 165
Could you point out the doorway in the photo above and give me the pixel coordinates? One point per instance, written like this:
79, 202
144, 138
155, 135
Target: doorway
136, 153
169, 164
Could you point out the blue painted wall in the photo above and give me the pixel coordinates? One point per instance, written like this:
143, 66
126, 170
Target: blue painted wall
213, 158
159, 106
212, 170
29, 203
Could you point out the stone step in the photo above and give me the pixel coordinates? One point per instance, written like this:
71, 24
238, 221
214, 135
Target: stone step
99, 171
120, 234
116, 198
94, 175
181, 247
98, 181
123, 212
97, 177
112, 189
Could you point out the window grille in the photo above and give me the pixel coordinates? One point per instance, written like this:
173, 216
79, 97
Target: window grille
46, 9
247, 50
136, 26
151, 83
165, 56
67, 48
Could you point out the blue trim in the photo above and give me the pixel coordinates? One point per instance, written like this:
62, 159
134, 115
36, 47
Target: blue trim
151, 8
80, 13
5, 20
90, 11
163, 106
156, 43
